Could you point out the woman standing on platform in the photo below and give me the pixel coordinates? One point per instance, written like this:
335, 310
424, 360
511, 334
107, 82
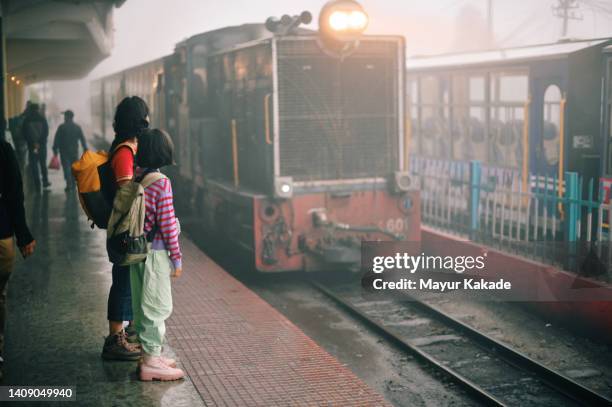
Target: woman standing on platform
131, 119
151, 286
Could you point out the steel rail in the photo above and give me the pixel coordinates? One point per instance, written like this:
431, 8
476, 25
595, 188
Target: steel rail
472, 388
552, 378
555, 380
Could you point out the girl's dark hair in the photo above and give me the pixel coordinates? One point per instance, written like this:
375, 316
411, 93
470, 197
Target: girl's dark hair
155, 149
130, 119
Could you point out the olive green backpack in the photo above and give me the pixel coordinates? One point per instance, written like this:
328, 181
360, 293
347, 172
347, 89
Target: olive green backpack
126, 242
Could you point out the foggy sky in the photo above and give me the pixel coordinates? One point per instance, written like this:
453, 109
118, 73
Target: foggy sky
148, 29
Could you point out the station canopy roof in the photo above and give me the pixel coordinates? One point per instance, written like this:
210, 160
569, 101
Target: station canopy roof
503, 55
56, 39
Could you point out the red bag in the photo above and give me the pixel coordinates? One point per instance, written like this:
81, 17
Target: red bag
54, 164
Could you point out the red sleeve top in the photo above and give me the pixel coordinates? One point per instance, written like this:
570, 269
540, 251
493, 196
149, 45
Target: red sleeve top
122, 164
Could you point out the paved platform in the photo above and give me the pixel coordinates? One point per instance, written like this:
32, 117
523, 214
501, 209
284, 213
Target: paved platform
239, 350
236, 349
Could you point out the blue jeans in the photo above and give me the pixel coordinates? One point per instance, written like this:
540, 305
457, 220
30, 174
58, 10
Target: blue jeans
120, 295
67, 159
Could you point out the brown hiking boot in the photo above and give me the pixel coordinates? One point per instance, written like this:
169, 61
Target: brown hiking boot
117, 347
132, 335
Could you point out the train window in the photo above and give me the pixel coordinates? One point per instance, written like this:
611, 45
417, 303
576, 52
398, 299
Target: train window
552, 118
512, 88
198, 87
413, 112
508, 93
435, 117
430, 90
469, 117
610, 99
609, 119
477, 88
242, 68
228, 68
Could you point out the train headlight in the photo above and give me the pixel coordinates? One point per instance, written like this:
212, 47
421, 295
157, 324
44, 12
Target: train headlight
283, 187
404, 181
342, 20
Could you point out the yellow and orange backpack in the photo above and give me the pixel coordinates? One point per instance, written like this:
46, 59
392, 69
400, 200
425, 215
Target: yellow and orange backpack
96, 184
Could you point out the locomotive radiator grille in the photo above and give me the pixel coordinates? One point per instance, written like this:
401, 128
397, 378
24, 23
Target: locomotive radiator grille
338, 118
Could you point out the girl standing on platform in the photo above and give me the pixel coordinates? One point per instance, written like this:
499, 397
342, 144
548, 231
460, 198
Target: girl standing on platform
151, 280
131, 119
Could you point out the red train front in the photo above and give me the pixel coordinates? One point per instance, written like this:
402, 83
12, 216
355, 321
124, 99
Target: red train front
309, 135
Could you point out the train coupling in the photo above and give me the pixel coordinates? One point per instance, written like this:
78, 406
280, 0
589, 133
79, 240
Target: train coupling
321, 220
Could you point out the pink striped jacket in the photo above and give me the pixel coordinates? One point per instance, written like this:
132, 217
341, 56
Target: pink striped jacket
160, 211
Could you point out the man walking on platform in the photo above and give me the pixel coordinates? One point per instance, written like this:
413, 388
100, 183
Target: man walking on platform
15, 126
35, 130
66, 143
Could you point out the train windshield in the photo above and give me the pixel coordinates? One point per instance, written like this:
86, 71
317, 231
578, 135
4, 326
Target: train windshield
339, 118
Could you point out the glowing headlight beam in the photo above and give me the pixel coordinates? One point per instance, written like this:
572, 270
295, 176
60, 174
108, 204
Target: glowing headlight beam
339, 21
358, 20
348, 20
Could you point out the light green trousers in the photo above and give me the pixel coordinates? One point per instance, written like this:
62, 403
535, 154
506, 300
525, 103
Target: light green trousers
152, 299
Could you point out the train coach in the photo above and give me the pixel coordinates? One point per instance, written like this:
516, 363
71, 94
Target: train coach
538, 110
290, 143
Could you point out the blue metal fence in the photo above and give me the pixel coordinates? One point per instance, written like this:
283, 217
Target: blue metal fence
556, 221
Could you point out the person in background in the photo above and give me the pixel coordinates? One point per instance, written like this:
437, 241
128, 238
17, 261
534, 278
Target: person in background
131, 119
15, 126
12, 224
66, 144
151, 279
35, 131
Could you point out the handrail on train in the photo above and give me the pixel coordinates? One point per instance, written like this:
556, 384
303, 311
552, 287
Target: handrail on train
235, 154
561, 174
267, 117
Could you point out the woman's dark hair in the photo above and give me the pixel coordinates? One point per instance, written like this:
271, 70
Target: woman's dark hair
155, 149
130, 119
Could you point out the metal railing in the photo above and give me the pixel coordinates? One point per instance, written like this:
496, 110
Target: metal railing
561, 222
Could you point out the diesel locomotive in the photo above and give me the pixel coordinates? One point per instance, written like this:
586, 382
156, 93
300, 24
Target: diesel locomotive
291, 143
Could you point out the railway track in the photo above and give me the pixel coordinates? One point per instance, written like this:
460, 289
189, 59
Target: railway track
488, 370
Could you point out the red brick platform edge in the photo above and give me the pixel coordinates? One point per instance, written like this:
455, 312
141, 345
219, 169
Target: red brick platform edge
239, 351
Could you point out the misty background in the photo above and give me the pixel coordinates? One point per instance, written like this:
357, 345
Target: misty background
148, 29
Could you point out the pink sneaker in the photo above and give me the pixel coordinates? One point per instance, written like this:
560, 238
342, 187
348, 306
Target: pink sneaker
154, 368
167, 361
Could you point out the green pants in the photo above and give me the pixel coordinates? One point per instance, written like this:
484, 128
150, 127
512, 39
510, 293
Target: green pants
152, 299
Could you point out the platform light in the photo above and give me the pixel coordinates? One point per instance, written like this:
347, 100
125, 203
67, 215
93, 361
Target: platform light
13, 78
17, 81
